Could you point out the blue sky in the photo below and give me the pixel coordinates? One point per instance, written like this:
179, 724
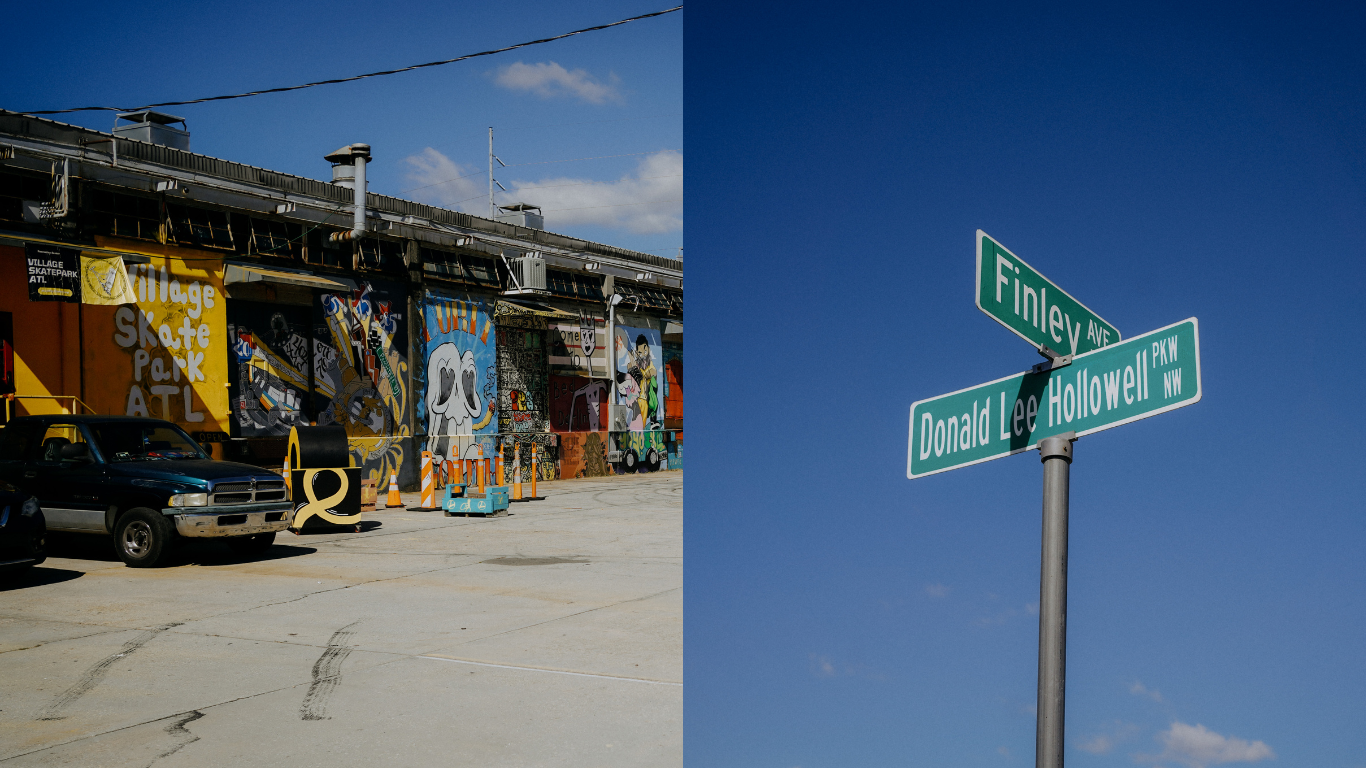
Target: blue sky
614, 95
1157, 161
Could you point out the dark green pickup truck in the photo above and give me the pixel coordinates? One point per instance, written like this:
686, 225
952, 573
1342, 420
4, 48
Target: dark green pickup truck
143, 481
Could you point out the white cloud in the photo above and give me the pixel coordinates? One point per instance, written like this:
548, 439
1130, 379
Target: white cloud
648, 201
1196, 746
1139, 689
435, 179
824, 666
1105, 741
937, 590
821, 666
1098, 745
548, 79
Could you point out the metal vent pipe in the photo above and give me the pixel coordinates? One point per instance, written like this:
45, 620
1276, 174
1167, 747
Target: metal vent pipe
361, 153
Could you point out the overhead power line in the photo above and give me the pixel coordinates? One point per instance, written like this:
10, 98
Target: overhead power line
356, 77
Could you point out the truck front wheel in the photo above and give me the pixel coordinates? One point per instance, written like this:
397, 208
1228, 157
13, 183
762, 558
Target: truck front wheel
143, 538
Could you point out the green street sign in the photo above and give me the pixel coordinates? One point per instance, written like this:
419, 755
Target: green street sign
1144, 376
1015, 295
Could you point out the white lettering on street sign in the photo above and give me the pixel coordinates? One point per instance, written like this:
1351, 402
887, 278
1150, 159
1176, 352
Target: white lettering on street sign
1104, 388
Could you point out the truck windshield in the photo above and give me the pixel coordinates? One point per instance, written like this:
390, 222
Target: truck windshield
136, 441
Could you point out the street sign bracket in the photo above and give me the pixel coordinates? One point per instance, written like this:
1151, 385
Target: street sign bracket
1055, 360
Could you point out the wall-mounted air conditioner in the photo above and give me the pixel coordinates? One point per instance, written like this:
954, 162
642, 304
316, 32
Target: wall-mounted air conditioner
527, 274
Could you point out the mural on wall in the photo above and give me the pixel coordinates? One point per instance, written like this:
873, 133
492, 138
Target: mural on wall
584, 454
676, 451
270, 361
522, 376
639, 378
578, 348
548, 455
163, 355
639, 451
361, 372
578, 404
673, 386
459, 382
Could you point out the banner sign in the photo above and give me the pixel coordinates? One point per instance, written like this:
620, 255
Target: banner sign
54, 273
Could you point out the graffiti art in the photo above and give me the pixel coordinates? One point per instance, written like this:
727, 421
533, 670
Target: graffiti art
360, 373
269, 353
521, 375
639, 378
578, 348
166, 359
459, 381
639, 451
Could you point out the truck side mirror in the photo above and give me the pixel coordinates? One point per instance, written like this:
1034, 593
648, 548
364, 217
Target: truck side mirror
75, 452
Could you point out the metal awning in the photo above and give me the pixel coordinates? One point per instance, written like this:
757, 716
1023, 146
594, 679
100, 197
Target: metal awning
510, 307
244, 273
672, 328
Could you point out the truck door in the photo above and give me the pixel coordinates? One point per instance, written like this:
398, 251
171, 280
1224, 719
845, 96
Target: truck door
68, 490
16, 443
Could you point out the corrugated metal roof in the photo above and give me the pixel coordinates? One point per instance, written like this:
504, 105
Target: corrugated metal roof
18, 124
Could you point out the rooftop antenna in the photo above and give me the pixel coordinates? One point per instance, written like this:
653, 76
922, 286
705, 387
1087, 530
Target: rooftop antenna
493, 209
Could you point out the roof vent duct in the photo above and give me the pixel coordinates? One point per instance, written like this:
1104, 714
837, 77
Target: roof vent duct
348, 170
153, 128
522, 215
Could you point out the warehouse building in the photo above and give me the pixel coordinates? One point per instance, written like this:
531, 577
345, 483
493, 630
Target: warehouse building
137, 277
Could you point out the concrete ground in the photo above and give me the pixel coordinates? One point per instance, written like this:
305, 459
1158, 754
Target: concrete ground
551, 637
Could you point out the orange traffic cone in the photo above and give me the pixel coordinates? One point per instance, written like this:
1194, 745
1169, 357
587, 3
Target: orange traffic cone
393, 500
516, 472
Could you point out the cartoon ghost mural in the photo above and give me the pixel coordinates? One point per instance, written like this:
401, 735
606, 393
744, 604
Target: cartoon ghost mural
460, 377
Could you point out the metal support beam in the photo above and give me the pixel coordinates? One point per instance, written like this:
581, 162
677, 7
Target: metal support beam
1056, 455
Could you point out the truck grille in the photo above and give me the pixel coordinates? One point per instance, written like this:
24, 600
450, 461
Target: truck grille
247, 492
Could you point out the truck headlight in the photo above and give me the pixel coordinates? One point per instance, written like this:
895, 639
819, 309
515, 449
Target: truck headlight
30, 507
190, 500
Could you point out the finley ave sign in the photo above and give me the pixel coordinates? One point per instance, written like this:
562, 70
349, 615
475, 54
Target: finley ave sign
1015, 295
1103, 388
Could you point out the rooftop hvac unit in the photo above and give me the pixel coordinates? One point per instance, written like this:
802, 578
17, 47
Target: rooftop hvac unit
522, 215
153, 128
527, 273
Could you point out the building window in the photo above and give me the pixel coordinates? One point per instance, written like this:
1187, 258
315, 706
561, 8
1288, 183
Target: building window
276, 238
559, 283
381, 254
122, 215
199, 226
481, 270
16, 188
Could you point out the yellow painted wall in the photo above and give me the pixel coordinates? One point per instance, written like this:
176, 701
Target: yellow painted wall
166, 356
46, 340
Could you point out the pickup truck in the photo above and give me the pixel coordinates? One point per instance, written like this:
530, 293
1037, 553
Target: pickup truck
143, 481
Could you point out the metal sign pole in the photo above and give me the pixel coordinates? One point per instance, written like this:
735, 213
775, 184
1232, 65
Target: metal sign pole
1056, 455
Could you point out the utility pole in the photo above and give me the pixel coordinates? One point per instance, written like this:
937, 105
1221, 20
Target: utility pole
493, 211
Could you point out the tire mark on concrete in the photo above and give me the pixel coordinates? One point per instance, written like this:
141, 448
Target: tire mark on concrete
182, 735
327, 674
97, 672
